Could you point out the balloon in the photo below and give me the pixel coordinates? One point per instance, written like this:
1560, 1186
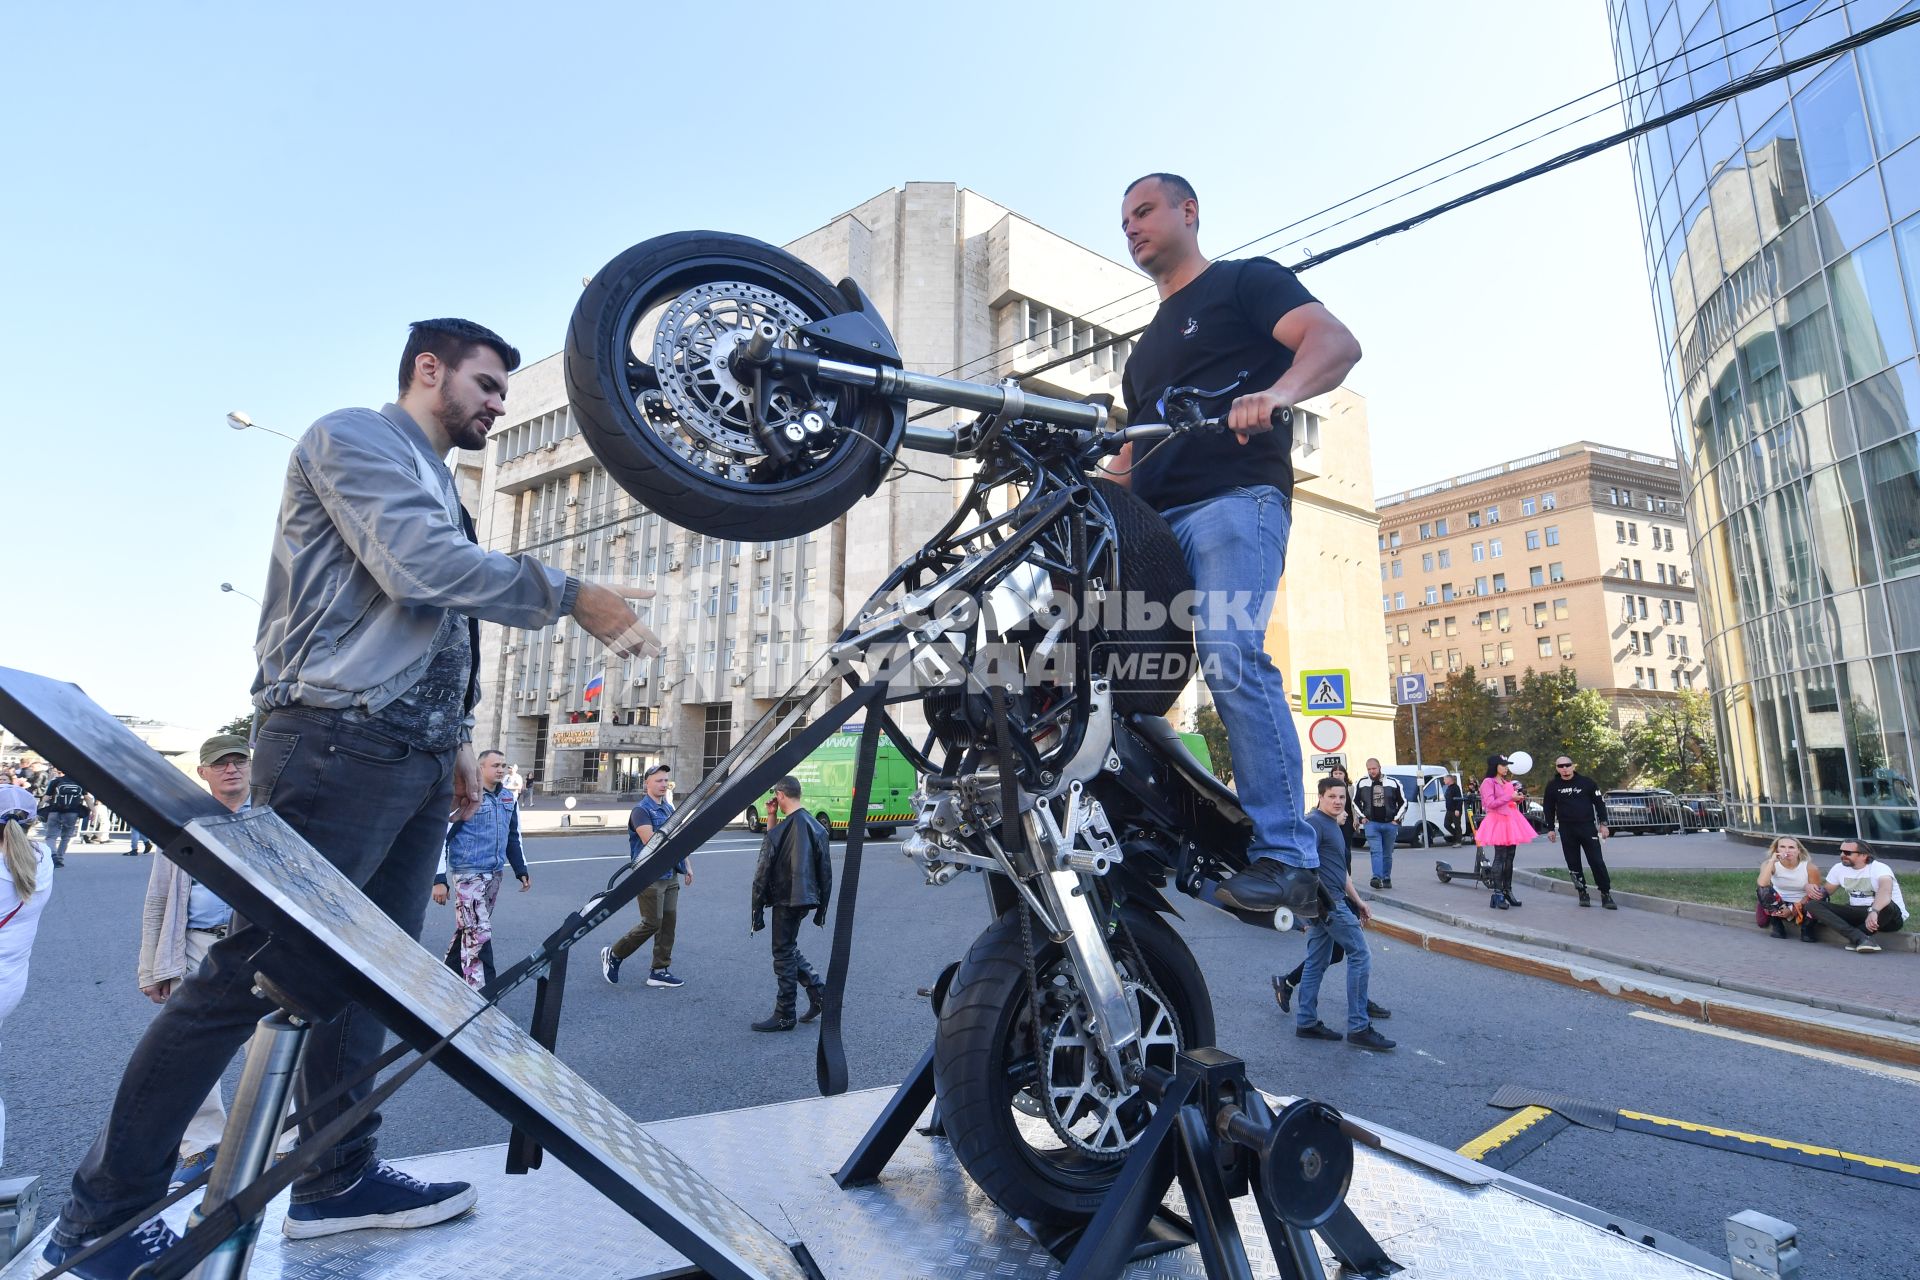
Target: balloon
571, 802
1519, 762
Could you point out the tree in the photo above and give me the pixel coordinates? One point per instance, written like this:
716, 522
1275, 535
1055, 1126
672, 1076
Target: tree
1674, 745
241, 726
1207, 723
1460, 722
1551, 714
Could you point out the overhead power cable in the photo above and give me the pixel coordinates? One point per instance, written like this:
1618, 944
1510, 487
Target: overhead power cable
1460, 151
1732, 89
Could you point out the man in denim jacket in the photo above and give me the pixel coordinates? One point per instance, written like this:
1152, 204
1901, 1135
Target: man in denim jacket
478, 851
368, 675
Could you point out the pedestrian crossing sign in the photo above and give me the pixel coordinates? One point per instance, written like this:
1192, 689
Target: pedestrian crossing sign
1324, 693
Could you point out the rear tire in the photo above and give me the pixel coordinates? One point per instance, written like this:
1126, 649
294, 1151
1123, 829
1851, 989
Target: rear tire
983, 1048
641, 460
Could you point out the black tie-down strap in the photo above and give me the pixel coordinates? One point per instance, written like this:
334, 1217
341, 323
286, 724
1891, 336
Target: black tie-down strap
830, 1055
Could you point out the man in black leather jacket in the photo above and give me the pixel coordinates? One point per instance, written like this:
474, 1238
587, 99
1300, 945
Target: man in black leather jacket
794, 876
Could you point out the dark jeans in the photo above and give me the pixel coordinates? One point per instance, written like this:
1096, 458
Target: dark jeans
790, 968
375, 808
1576, 839
1851, 920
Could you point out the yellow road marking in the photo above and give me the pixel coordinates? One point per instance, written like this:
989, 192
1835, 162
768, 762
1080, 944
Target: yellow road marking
1761, 1140
1887, 1069
1504, 1132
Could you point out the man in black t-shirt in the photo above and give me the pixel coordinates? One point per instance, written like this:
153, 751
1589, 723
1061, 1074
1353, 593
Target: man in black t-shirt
1250, 338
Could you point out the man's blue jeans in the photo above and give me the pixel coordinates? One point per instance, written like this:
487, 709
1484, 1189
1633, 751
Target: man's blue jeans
1381, 837
375, 808
1343, 927
1236, 546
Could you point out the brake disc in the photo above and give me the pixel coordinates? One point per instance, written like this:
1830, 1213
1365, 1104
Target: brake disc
1083, 1109
693, 347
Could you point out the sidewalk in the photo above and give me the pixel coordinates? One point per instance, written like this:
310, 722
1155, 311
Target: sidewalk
1634, 953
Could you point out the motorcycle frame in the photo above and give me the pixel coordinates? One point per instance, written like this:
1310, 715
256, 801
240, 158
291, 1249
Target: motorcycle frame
1044, 442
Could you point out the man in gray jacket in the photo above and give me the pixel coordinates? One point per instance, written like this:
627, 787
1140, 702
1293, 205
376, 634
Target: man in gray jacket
794, 877
367, 680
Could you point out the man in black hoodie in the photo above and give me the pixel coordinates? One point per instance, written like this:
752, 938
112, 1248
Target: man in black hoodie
1574, 803
794, 876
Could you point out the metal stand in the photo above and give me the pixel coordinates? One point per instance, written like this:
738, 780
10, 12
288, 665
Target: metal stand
253, 1130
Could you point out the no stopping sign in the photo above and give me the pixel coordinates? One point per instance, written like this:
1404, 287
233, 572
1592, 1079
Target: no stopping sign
1327, 734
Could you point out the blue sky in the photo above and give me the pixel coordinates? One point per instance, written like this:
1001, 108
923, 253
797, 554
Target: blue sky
219, 207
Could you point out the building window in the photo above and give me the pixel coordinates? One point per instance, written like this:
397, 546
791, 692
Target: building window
1436, 659
1680, 615
1560, 609
1546, 647
1499, 582
1564, 641
1553, 535
1450, 626
1393, 539
1633, 534
1494, 550
1493, 515
1556, 572
1480, 586
1533, 539
1399, 599
1639, 574
1666, 611
1473, 519
1620, 531
1484, 619
1536, 576
1528, 506
1404, 633
1445, 558
1426, 562
1433, 595
1426, 531
1440, 528
1509, 685
1478, 552
1487, 654
1447, 592
1548, 502
1396, 569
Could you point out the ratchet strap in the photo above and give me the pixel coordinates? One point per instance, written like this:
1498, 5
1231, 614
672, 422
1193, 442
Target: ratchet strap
830, 1055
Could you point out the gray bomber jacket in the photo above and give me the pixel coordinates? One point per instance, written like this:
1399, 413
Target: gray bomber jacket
368, 555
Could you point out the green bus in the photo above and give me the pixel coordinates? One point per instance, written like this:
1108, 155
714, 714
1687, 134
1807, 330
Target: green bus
826, 785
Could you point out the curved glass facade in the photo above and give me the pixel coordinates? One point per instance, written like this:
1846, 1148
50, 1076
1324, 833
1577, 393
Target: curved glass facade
1782, 234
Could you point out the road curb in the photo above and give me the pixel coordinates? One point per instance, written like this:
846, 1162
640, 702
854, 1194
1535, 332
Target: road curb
1891, 1040
1900, 940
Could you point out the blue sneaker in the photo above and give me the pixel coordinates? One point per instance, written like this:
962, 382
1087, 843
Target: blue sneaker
383, 1197
193, 1166
117, 1261
609, 965
663, 978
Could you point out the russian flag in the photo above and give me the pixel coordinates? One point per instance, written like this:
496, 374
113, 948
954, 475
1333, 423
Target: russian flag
595, 687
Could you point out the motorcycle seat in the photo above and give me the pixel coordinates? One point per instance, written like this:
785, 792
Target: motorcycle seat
1166, 743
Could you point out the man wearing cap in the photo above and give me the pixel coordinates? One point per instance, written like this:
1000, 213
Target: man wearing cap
659, 901
179, 921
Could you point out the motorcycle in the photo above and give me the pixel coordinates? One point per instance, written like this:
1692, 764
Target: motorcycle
737, 392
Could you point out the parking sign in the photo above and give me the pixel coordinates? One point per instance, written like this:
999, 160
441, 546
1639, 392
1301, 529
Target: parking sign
1409, 689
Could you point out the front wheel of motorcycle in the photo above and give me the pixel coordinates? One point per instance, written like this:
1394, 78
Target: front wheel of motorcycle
661, 402
1020, 1097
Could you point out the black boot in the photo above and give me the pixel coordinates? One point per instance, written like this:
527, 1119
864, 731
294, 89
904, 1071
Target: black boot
1778, 928
816, 1001
777, 1022
1268, 884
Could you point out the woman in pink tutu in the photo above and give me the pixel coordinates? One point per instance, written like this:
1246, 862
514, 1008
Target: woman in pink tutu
1503, 829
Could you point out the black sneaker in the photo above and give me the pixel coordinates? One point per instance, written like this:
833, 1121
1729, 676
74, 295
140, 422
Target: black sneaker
1316, 1031
1373, 882
1606, 900
1283, 992
1585, 901
1375, 1011
1368, 1038
1269, 884
118, 1260
609, 965
383, 1197
1386, 882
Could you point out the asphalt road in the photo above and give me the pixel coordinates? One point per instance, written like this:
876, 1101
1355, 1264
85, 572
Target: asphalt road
1464, 1031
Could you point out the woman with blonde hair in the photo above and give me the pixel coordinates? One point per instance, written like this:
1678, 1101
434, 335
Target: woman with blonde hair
1782, 888
26, 884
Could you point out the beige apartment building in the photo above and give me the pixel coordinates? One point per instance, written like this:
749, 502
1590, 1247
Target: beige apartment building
970, 289
1576, 557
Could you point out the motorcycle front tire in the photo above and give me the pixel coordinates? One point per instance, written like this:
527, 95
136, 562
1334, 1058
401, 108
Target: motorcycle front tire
975, 1046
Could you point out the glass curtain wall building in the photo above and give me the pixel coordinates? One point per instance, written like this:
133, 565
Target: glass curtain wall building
1782, 235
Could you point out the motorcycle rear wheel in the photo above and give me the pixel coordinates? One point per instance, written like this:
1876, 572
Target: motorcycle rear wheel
985, 1064
702, 469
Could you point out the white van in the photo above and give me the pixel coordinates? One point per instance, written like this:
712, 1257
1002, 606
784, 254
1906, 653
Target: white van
1426, 803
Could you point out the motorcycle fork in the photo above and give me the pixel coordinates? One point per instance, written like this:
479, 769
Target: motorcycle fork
1070, 898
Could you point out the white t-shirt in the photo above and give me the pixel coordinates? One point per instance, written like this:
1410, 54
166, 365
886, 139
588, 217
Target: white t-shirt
1861, 883
16, 936
1790, 882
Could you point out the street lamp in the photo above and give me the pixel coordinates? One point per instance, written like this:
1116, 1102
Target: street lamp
241, 422
229, 587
